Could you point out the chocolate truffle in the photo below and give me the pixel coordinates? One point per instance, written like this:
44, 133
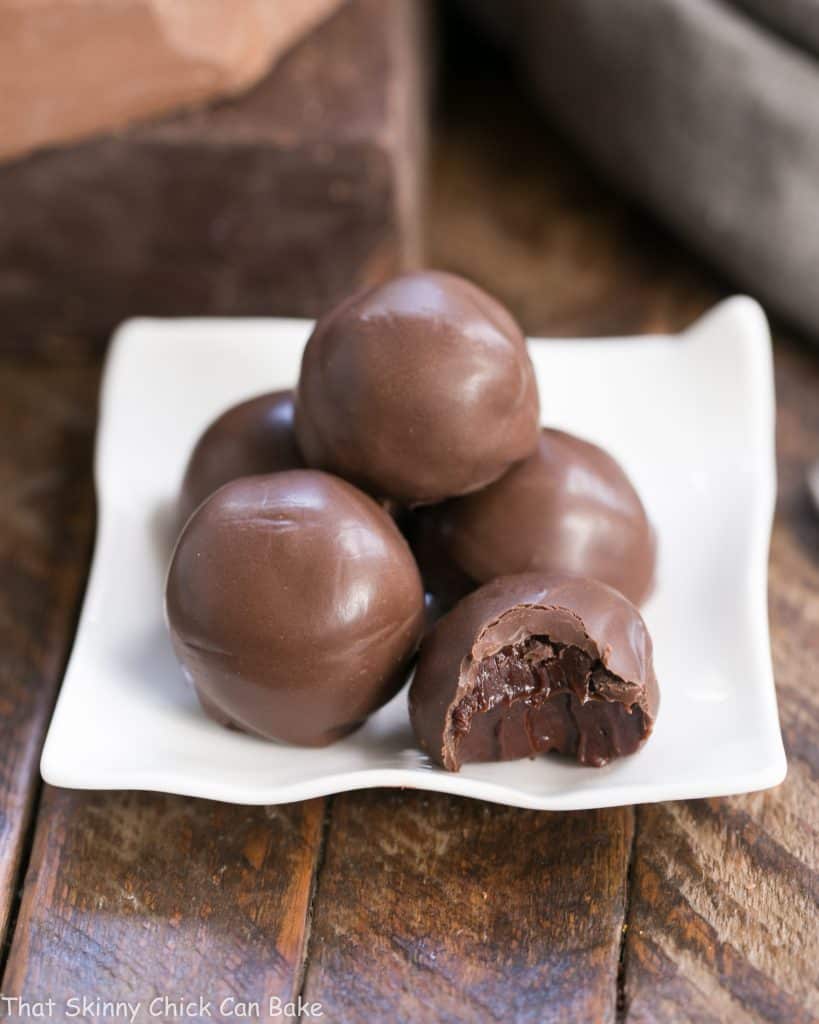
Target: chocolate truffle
417, 390
535, 663
568, 508
250, 438
444, 583
294, 606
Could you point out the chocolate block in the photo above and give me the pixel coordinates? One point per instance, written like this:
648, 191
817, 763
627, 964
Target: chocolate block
176, 55
279, 202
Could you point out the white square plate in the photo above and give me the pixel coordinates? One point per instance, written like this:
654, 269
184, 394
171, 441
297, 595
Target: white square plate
692, 419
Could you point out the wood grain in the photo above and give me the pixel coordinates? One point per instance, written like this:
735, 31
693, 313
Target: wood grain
125, 894
137, 896
131, 896
437, 908
46, 517
428, 907
433, 907
724, 923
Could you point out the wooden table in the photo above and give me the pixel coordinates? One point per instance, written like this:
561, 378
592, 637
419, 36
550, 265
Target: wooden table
405, 906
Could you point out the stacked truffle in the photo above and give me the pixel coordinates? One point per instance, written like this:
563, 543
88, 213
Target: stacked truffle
296, 603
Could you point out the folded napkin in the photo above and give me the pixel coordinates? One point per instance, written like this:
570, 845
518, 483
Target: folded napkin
797, 20
705, 112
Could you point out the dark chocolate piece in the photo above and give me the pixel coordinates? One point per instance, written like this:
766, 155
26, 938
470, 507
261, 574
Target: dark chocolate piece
248, 439
444, 583
535, 663
294, 606
568, 508
280, 201
417, 390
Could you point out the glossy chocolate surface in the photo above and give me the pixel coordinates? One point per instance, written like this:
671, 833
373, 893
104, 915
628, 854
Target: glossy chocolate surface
250, 438
294, 606
534, 663
444, 583
567, 508
417, 390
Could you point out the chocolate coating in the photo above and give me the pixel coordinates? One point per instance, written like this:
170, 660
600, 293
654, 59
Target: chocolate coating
535, 663
444, 583
250, 438
568, 508
417, 390
294, 606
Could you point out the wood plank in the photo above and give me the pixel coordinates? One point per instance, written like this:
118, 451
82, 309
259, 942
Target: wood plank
125, 894
437, 908
402, 929
131, 896
46, 518
723, 893
723, 923
137, 896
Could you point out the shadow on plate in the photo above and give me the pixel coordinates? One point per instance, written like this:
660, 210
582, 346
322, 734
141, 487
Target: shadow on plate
164, 530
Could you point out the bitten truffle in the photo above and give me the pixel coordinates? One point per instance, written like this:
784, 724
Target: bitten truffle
417, 390
294, 606
535, 663
250, 438
568, 508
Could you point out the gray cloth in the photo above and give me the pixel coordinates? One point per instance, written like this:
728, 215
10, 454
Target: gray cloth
797, 20
699, 111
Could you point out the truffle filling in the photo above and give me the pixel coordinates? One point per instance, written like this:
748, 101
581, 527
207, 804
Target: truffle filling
536, 696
